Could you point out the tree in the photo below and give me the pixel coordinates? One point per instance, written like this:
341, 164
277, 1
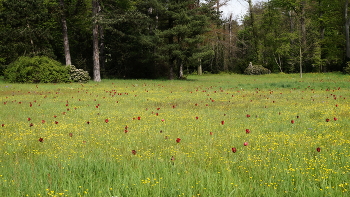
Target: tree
95, 40
347, 24
65, 34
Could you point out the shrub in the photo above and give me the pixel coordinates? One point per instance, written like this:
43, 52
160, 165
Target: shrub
256, 70
347, 68
78, 75
38, 69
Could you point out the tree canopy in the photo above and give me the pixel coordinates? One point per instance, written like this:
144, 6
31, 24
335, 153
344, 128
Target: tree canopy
169, 39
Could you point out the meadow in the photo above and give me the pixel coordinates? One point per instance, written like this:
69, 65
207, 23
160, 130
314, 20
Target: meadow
212, 135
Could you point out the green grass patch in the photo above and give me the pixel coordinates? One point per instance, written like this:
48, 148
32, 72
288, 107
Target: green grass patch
175, 138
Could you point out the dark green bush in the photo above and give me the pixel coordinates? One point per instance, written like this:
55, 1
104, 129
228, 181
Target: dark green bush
38, 69
256, 70
78, 75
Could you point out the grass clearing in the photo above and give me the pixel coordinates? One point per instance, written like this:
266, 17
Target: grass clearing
175, 138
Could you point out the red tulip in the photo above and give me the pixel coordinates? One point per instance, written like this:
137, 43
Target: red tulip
245, 144
292, 121
41, 139
56, 122
133, 152
178, 140
248, 115
335, 119
106, 120
247, 131
222, 122
29, 119
2, 125
234, 150
139, 118
327, 120
196, 117
318, 149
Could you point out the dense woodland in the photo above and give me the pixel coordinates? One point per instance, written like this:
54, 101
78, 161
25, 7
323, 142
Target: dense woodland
173, 38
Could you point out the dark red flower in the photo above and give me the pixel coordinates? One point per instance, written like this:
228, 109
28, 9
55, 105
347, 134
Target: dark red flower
245, 144
88, 122
43, 121
211, 133
196, 117
318, 149
29, 119
41, 139
292, 121
56, 122
139, 118
335, 119
106, 121
178, 140
2, 125
248, 115
222, 122
70, 134
125, 131
247, 131
55, 116
31, 124
133, 152
234, 150
327, 120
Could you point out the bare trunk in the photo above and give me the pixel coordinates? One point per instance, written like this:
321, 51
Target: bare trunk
302, 36
302, 23
200, 67
347, 24
95, 37
301, 61
65, 34
181, 74
102, 51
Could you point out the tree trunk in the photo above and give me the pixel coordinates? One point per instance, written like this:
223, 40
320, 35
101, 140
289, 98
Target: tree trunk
65, 34
102, 50
347, 24
300, 61
200, 67
95, 37
181, 73
302, 23
302, 36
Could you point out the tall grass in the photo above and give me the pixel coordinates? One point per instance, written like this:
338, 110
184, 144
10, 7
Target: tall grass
89, 132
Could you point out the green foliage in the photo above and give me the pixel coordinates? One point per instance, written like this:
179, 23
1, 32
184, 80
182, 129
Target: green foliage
38, 69
79, 75
256, 70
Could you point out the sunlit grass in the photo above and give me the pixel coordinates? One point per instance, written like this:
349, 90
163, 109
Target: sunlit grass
119, 137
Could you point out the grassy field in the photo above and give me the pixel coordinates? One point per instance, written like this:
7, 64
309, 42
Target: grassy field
213, 135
